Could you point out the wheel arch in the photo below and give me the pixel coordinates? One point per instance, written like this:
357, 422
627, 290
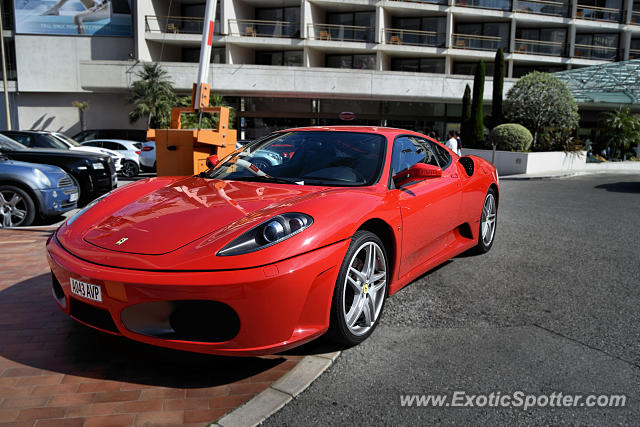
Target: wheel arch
497, 191
384, 231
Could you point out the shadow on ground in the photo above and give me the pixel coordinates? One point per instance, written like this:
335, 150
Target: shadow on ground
34, 332
621, 187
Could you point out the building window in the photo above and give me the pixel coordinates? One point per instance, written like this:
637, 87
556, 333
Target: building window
600, 10
541, 41
192, 54
279, 22
634, 51
486, 4
351, 26
418, 65
544, 7
469, 68
425, 31
290, 58
521, 70
360, 62
596, 46
482, 36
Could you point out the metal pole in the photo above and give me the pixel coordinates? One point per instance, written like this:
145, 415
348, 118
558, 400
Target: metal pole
205, 49
4, 73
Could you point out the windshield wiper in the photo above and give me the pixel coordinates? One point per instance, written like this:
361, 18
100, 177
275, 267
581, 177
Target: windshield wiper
275, 179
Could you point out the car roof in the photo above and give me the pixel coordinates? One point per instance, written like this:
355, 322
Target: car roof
366, 129
123, 141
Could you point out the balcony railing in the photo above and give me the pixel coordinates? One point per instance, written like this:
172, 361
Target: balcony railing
635, 17
424, 1
257, 28
413, 37
588, 51
543, 7
634, 53
598, 13
176, 24
540, 47
486, 4
345, 33
468, 41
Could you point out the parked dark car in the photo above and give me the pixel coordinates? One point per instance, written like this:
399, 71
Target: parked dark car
30, 189
94, 174
128, 134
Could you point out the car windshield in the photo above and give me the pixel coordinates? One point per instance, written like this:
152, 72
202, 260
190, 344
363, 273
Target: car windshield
7, 143
64, 137
307, 158
55, 142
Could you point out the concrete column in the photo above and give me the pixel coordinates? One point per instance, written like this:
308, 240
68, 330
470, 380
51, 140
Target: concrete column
448, 65
573, 9
512, 36
625, 44
305, 18
380, 24
225, 7
449, 31
510, 68
572, 39
628, 7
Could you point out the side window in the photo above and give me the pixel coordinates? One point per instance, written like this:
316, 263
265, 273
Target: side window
94, 144
444, 158
41, 142
22, 139
110, 145
409, 150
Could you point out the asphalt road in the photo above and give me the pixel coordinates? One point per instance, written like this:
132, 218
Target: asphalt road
553, 307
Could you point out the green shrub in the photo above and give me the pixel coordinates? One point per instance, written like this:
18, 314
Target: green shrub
511, 137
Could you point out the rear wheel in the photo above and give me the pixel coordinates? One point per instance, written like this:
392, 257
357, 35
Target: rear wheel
488, 222
16, 207
130, 169
361, 289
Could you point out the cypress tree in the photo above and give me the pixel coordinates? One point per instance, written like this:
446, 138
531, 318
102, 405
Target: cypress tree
465, 134
497, 115
476, 126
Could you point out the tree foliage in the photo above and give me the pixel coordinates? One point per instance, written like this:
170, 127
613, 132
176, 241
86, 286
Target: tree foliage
152, 97
543, 104
465, 131
476, 125
497, 114
510, 137
621, 130
209, 121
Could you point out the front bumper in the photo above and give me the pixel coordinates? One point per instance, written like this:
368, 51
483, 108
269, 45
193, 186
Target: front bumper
57, 201
279, 305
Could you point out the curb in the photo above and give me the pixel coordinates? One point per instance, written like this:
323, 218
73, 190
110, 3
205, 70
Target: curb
539, 177
281, 392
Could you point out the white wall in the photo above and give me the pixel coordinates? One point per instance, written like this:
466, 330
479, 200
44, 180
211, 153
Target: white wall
512, 163
53, 111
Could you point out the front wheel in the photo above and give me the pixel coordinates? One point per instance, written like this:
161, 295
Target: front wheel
130, 169
361, 289
488, 222
16, 207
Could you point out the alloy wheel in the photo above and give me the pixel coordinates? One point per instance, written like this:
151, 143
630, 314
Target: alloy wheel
13, 208
489, 212
365, 288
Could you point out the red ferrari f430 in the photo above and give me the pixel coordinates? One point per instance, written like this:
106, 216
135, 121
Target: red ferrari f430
298, 234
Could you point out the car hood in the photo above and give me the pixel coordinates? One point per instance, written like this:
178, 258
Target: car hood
97, 150
13, 165
175, 215
52, 152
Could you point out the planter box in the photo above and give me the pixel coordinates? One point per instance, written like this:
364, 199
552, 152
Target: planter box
511, 163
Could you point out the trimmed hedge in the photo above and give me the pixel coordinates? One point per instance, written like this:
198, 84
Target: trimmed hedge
511, 137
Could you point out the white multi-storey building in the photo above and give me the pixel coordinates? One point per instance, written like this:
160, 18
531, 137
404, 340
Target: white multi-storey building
284, 63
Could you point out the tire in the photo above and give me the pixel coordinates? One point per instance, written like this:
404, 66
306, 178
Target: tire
130, 169
352, 319
488, 223
16, 207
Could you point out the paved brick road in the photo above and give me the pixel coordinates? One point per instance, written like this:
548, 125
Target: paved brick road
55, 372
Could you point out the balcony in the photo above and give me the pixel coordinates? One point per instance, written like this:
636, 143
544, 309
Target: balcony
344, 33
486, 4
588, 51
413, 37
634, 53
444, 2
635, 17
259, 28
468, 41
598, 13
176, 25
543, 7
539, 47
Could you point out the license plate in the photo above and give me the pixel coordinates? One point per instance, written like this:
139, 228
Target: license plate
86, 290
73, 197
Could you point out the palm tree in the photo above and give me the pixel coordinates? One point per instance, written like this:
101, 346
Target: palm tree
152, 97
209, 120
82, 107
622, 131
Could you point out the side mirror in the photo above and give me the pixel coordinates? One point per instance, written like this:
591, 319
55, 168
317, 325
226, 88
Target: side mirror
418, 171
212, 161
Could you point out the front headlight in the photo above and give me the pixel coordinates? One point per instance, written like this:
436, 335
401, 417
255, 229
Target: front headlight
86, 208
42, 178
97, 165
267, 234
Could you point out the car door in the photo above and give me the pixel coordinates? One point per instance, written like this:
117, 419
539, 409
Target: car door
429, 207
